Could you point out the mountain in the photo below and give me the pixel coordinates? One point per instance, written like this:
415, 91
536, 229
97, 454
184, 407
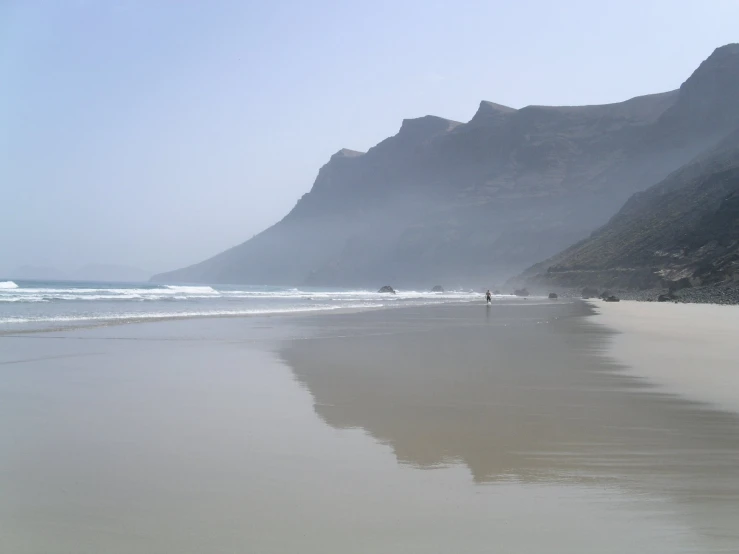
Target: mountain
683, 231
470, 203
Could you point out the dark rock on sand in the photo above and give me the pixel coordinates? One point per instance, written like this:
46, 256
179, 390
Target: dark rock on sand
553, 296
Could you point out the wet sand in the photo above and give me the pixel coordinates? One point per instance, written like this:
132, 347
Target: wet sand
438, 429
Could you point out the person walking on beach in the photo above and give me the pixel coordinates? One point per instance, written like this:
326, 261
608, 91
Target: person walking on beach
488, 297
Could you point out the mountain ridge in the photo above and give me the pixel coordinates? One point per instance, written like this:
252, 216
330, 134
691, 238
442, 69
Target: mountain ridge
444, 201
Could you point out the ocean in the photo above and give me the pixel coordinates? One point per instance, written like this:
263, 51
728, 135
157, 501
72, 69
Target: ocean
46, 305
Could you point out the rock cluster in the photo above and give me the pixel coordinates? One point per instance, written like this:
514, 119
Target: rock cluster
724, 294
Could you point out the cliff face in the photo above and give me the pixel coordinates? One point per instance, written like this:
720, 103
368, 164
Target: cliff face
682, 231
458, 203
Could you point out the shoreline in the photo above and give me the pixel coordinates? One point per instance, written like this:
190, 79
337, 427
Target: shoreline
96, 322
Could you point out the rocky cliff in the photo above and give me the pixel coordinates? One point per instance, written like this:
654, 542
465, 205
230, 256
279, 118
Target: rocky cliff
682, 232
450, 202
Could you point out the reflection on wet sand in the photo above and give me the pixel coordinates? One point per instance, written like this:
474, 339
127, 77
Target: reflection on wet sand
524, 393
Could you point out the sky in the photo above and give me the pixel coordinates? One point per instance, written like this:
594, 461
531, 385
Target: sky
155, 133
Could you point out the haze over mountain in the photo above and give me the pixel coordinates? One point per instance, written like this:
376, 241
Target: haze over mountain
89, 272
464, 203
37, 273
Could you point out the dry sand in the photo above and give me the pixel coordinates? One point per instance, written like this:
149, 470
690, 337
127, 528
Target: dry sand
687, 349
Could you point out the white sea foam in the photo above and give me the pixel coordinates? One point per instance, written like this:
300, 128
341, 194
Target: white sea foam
28, 298
348, 295
8, 285
180, 292
191, 289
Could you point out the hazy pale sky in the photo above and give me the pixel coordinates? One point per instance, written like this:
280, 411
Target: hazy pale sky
155, 134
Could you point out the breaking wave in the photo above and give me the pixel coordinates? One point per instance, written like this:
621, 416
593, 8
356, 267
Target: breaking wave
11, 292
191, 290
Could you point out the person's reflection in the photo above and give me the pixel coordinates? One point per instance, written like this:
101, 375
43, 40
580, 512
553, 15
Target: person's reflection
487, 313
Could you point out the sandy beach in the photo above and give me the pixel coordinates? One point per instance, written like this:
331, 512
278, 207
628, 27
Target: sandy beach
686, 349
454, 428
